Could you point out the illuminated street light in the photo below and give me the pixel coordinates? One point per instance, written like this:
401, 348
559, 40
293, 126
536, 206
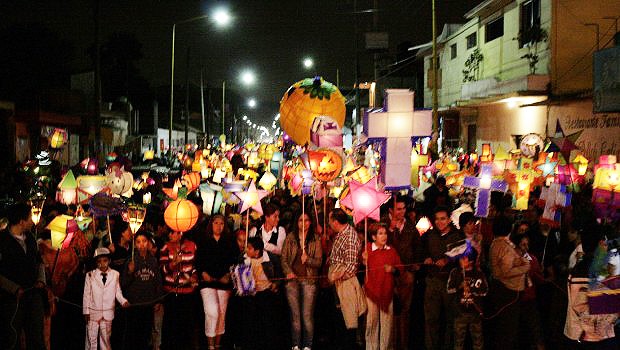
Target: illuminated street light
221, 17
245, 117
248, 77
308, 63
251, 103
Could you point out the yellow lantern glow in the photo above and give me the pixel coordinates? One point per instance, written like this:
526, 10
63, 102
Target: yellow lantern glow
149, 155
253, 160
181, 215
58, 138
267, 181
89, 185
423, 225
36, 207
581, 164
60, 227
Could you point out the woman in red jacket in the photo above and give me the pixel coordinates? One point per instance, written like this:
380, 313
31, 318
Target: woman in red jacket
382, 263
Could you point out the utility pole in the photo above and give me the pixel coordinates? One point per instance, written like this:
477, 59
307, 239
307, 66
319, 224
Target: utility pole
357, 75
97, 144
435, 82
202, 101
187, 97
223, 107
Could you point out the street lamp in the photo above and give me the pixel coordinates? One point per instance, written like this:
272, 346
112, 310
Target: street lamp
247, 78
252, 103
221, 18
308, 63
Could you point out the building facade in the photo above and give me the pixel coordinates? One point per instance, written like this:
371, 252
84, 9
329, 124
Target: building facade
517, 67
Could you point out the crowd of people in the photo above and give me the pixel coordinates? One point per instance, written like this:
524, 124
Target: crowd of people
315, 280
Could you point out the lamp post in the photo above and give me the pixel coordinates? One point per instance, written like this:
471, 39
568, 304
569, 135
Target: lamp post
247, 78
221, 18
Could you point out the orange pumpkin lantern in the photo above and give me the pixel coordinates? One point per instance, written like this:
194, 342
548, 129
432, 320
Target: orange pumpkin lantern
181, 215
328, 166
192, 180
305, 100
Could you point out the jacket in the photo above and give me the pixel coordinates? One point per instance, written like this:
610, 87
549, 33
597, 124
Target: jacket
290, 250
98, 299
18, 269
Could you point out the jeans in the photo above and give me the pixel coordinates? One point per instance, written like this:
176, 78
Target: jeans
301, 298
379, 327
437, 301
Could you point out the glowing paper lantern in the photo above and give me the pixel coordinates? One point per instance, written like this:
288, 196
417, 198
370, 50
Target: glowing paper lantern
555, 196
423, 225
251, 198
62, 229
211, 195
524, 179
306, 100
484, 184
135, 216
502, 161
486, 155
267, 181
89, 185
58, 138
253, 160
325, 133
417, 161
365, 200
325, 164
68, 189
146, 198
36, 207
181, 215
191, 181
547, 168
606, 185
581, 164
118, 180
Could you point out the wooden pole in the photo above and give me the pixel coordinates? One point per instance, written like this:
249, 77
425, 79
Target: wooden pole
366, 244
303, 223
247, 227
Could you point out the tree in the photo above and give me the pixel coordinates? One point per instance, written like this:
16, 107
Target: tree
531, 37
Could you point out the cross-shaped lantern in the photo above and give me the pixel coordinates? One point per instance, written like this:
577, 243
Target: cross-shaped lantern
484, 183
555, 196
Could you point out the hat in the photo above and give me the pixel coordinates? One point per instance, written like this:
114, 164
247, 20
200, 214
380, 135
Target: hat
101, 251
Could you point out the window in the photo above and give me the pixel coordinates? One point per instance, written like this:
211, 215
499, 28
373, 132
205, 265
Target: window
530, 18
453, 51
471, 40
494, 29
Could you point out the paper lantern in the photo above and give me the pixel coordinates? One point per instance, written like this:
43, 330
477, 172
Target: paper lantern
191, 181
325, 164
325, 133
251, 198
417, 161
67, 189
524, 179
146, 198
92, 166
135, 216
181, 215
486, 155
581, 164
89, 185
423, 225
253, 160
306, 100
555, 196
502, 161
173, 192
267, 181
211, 195
484, 185
365, 200
36, 207
62, 229
118, 180
58, 138
111, 157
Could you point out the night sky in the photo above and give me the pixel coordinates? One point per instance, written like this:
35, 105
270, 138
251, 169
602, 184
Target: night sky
269, 37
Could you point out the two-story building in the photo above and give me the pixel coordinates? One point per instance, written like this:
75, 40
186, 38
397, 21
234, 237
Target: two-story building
516, 67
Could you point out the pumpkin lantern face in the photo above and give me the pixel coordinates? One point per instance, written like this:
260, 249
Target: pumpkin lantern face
306, 100
329, 167
181, 215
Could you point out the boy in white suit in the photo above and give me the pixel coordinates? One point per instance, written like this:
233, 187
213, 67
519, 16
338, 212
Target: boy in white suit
101, 289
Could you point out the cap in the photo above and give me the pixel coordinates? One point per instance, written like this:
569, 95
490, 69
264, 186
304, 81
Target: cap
101, 251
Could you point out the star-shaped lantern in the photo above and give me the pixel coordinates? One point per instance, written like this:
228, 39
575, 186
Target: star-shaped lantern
563, 143
547, 167
364, 199
251, 198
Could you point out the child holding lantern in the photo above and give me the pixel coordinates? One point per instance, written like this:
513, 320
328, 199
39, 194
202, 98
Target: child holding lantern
382, 265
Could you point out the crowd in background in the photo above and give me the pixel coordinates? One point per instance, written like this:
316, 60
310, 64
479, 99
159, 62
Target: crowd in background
318, 280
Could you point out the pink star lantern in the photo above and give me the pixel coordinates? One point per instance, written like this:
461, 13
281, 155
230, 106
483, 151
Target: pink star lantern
364, 199
251, 198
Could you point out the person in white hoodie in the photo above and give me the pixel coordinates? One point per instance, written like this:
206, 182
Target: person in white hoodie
101, 288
